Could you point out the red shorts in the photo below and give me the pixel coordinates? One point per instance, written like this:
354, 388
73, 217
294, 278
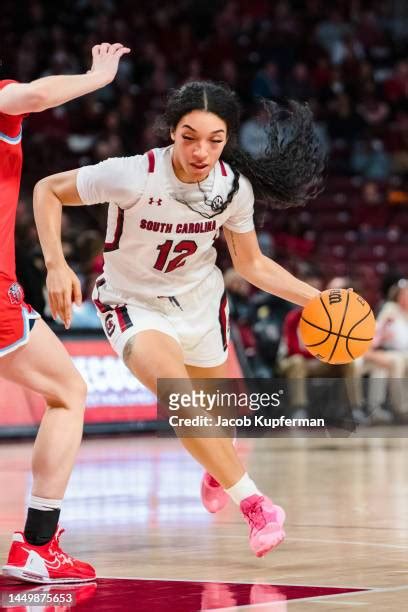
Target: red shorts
15, 317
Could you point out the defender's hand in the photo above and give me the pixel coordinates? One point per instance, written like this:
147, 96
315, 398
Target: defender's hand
105, 60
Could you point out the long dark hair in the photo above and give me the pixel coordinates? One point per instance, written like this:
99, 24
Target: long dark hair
288, 174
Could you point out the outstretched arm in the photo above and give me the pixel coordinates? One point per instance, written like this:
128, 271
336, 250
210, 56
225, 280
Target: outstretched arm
264, 273
47, 92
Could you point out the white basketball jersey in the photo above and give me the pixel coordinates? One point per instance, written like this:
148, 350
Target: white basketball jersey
156, 245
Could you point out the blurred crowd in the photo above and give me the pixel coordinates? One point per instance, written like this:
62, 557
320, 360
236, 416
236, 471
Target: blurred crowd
347, 59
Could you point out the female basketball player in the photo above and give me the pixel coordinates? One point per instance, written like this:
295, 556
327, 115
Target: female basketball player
161, 298
30, 354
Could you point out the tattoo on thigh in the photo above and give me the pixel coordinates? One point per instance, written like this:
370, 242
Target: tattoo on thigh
127, 351
234, 246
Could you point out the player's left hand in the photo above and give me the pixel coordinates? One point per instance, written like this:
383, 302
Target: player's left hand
105, 59
64, 288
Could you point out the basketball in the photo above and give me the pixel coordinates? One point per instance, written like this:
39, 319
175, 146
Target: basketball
337, 326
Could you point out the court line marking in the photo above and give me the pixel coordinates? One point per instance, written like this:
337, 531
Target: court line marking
314, 540
324, 541
316, 586
317, 599
343, 603
356, 527
375, 544
269, 604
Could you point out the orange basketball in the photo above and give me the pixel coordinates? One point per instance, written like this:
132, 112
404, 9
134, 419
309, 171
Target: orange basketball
337, 326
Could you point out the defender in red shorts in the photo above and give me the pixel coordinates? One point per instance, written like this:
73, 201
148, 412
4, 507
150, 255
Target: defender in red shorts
30, 354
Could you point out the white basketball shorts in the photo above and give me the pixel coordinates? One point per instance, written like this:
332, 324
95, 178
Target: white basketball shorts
197, 320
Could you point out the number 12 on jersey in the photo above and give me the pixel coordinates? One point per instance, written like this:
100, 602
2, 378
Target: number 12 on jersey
185, 248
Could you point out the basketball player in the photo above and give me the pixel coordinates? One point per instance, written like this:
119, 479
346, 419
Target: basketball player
31, 355
161, 299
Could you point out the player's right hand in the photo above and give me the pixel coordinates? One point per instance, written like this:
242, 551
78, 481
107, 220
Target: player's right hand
105, 60
63, 288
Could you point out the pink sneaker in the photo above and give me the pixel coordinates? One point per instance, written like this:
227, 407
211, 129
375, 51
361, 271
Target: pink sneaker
213, 496
265, 521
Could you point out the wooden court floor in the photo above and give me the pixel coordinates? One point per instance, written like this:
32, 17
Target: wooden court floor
133, 510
